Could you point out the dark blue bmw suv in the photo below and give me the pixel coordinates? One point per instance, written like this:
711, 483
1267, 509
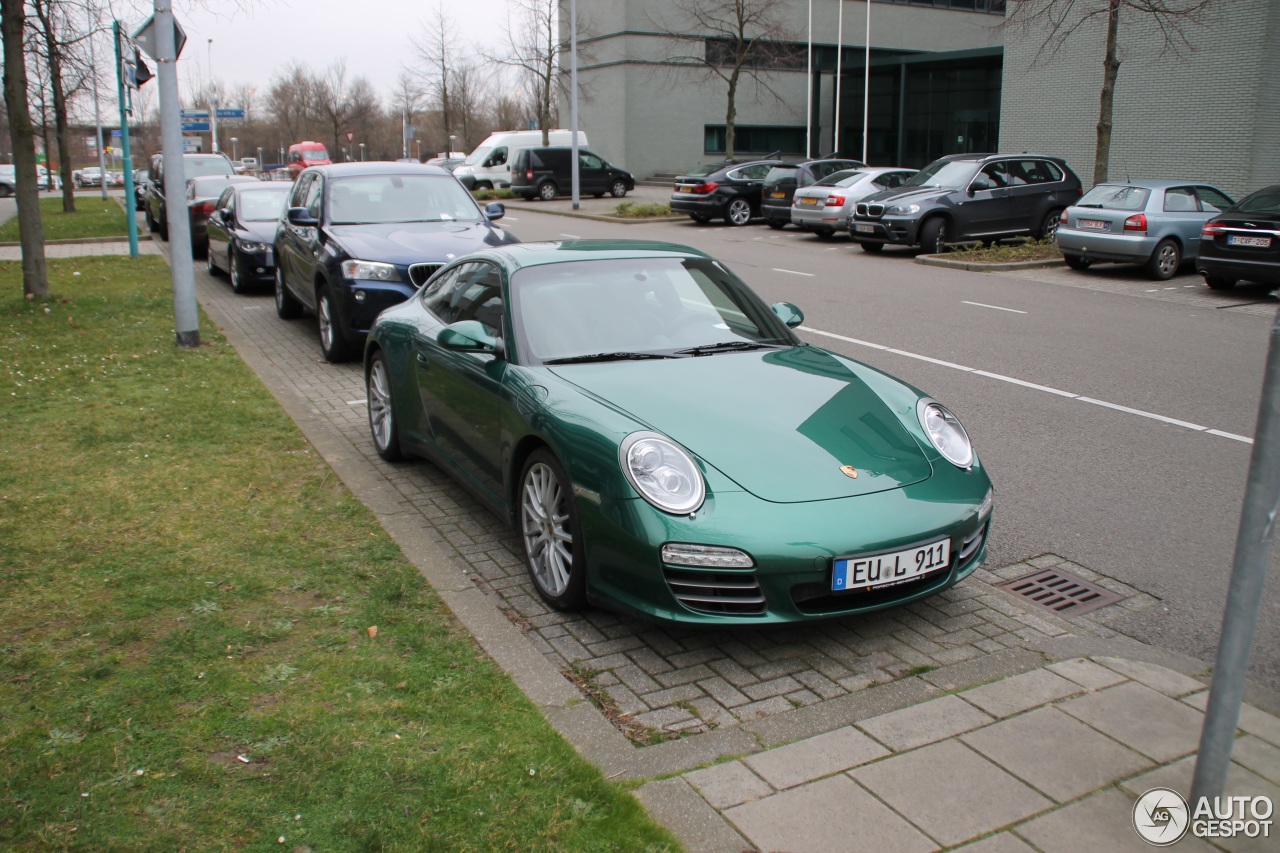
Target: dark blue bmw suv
356, 238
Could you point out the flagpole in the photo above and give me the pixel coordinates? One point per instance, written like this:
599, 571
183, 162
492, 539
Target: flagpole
835, 131
866, 87
808, 95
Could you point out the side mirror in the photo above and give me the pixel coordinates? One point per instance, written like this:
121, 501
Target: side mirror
469, 336
301, 217
495, 210
788, 314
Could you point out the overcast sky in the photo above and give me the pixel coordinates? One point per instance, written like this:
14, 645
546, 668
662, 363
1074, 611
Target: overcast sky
254, 40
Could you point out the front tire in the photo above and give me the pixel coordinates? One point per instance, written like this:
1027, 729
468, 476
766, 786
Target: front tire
383, 426
550, 534
871, 248
738, 212
547, 191
233, 270
1164, 261
933, 236
333, 345
287, 307
211, 266
619, 189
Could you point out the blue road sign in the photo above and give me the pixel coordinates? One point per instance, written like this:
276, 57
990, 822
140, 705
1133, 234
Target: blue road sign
231, 112
195, 127
194, 113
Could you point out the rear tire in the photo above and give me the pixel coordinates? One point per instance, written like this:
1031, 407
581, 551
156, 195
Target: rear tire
1219, 282
547, 191
1049, 225
738, 212
483, 185
287, 307
333, 344
1164, 261
933, 236
1076, 262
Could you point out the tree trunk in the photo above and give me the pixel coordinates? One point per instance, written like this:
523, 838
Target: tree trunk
730, 115
62, 125
35, 277
1110, 71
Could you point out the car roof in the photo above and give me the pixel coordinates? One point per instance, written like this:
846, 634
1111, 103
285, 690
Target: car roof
520, 255
983, 157
379, 167
1151, 183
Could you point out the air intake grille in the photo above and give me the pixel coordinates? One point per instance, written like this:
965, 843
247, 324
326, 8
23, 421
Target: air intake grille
419, 273
1060, 592
736, 593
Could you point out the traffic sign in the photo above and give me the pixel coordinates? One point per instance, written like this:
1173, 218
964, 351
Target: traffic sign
195, 113
230, 112
195, 127
351, 134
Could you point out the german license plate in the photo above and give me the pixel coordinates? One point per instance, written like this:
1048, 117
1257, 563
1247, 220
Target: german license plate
1256, 242
864, 228
882, 570
1095, 224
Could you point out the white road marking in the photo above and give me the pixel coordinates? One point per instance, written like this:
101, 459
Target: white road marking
996, 307
794, 272
355, 402
1033, 386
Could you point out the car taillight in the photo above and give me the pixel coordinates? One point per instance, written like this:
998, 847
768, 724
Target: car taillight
528, 174
835, 201
1062, 219
204, 208
706, 187
1213, 229
1137, 222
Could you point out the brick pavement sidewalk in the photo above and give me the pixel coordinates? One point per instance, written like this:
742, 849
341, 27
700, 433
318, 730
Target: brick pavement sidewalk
965, 717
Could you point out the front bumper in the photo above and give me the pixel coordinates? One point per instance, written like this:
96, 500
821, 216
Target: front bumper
365, 300
793, 547
901, 230
257, 266
1130, 247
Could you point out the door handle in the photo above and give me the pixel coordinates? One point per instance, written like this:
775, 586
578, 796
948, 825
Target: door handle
422, 360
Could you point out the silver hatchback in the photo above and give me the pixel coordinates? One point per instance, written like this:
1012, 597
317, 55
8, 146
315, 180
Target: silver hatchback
1153, 223
824, 207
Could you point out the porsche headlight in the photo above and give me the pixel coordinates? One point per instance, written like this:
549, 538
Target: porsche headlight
945, 433
370, 271
901, 209
662, 472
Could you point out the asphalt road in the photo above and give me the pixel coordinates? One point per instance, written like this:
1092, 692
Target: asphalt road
1150, 501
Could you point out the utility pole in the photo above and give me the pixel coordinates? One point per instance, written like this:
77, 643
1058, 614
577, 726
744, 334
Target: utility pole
130, 204
97, 116
573, 96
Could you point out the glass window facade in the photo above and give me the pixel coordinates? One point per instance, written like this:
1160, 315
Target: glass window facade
754, 139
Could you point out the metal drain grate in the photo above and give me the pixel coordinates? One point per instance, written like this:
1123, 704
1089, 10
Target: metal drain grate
1060, 592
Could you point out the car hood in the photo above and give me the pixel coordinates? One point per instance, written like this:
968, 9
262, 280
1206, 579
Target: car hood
779, 423
259, 232
909, 194
418, 242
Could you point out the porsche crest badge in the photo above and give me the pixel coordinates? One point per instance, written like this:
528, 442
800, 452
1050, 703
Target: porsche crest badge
849, 471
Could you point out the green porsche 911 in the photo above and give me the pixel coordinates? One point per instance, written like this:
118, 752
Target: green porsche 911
666, 446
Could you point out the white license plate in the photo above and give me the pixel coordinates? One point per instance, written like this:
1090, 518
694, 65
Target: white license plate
864, 228
1257, 242
884, 570
686, 189
1096, 224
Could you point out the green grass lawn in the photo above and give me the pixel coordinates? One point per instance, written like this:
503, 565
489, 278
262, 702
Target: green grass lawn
186, 653
94, 217
1011, 251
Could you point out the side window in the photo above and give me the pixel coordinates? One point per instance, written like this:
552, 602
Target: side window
437, 295
1180, 200
314, 193
993, 176
499, 156
1049, 172
589, 161
1212, 200
889, 180
468, 292
226, 201
756, 172
299, 193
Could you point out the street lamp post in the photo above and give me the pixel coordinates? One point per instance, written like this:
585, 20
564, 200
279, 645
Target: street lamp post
234, 140
453, 140
361, 152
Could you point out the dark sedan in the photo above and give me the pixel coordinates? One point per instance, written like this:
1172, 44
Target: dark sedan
1243, 242
729, 190
359, 237
140, 178
781, 183
242, 232
202, 194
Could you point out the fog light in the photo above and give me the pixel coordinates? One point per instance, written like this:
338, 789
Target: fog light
359, 296
705, 556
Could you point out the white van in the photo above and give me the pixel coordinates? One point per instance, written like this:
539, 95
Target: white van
489, 166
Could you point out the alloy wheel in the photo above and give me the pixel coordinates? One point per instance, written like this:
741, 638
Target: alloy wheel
548, 538
739, 212
381, 416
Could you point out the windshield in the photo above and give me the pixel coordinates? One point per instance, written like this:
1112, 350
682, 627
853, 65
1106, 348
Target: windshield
637, 306
845, 178
781, 173
478, 156
380, 199
946, 174
1112, 197
1266, 202
194, 167
315, 154
263, 205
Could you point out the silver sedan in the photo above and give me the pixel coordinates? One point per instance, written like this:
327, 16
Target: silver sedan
824, 207
1153, 223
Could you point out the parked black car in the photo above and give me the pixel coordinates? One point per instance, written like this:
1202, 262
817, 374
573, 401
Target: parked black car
359, 237
194, 165
202, 196
242, 231
728, 189
966, 197
1243, 242
547, 172
140, 178
781, 183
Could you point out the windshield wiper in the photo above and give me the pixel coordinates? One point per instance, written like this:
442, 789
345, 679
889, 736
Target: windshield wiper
607, 356
727, 346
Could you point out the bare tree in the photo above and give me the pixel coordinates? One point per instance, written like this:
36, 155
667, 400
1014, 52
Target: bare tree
57, 46
405, 100
35, 275
730, 40
1059, 20
289, 103
341, 105
533, 48
438, 52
